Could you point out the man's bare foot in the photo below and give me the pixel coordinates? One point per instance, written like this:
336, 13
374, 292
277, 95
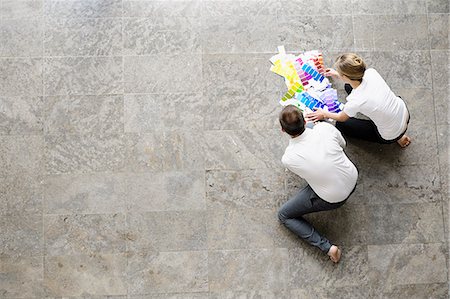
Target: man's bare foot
334, 253
404, 141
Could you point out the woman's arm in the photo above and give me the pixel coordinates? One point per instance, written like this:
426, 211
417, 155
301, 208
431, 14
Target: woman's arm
320, 114
329, 72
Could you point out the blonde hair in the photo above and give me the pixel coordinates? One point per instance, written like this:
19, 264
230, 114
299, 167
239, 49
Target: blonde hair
351, 66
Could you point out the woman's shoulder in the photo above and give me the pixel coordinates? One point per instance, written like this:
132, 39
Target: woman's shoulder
371, 71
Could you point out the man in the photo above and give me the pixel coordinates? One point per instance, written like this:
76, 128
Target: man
316, 155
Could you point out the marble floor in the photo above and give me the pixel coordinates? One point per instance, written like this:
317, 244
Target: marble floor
140, 151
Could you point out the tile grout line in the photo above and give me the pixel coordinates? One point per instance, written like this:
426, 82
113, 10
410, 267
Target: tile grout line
127, 255
446, 241
205, 183
44, 246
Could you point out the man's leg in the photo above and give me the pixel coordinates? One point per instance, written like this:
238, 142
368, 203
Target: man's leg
306, 201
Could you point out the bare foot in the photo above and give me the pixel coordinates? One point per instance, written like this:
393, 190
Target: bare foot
334, 253
404, 141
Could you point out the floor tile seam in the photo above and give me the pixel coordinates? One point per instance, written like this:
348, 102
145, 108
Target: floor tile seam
437, 142
127, 211
408, 244
168, 54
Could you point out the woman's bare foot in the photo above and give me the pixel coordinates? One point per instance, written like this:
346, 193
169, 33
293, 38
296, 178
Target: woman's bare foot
334, 253
404, 141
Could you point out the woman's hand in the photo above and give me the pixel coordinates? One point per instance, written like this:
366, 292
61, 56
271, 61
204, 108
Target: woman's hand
317, 115
329, 72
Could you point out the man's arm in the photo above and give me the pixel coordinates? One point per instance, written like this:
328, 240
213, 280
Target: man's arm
340, 139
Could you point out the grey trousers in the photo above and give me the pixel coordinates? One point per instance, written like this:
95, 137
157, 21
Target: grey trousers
304, 202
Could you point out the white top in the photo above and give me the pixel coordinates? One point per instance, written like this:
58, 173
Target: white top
317, 155
375, 99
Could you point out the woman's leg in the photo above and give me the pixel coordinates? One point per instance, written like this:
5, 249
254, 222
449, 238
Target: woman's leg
361, 129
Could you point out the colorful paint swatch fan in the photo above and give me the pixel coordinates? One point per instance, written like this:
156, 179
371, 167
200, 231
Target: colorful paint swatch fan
308, 88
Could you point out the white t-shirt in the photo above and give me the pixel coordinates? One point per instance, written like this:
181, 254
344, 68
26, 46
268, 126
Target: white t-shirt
317, 155
375, 99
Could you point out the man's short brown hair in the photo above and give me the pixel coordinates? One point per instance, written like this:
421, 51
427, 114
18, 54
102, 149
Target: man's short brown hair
292, 121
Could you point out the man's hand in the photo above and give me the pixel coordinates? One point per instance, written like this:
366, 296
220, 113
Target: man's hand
317, 115
329, 72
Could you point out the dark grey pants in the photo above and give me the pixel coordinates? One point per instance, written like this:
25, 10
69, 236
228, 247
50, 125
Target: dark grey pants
304, 202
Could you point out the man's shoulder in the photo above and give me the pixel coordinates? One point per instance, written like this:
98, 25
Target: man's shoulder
324, 126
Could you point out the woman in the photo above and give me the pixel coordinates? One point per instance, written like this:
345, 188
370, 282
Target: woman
370, 95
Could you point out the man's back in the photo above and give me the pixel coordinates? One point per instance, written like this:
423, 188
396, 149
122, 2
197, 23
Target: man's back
317, 155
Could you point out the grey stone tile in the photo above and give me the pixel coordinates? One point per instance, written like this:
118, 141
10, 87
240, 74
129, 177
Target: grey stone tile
83, 75
14, 9
419, 102
159, 34
244, 229
394, 7
166, 191
257, 8
21, 277
83, 37
437, 6
85, 193
150, 8
387, 184
21, 235
336, 32
167, 231
168, 272
441, 99
83, 8
254, 294
311, 292
159, 112
84, 153
80, 275
244, 149
85, 234
405, 224
21, 194
347, 225
259, 188
163, 73
443, 148
239, 270
309, 266
421, 151
84, 114
21, 115
440, 69
438, 30
254, 33
24, 76
225, 111
228, 73
403, 32
433, 290
166, 151
391, 266
364, 32
320, 8
92, 297
440, 75
21, 37
294, 183
21, 155
395, 66
172, 296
